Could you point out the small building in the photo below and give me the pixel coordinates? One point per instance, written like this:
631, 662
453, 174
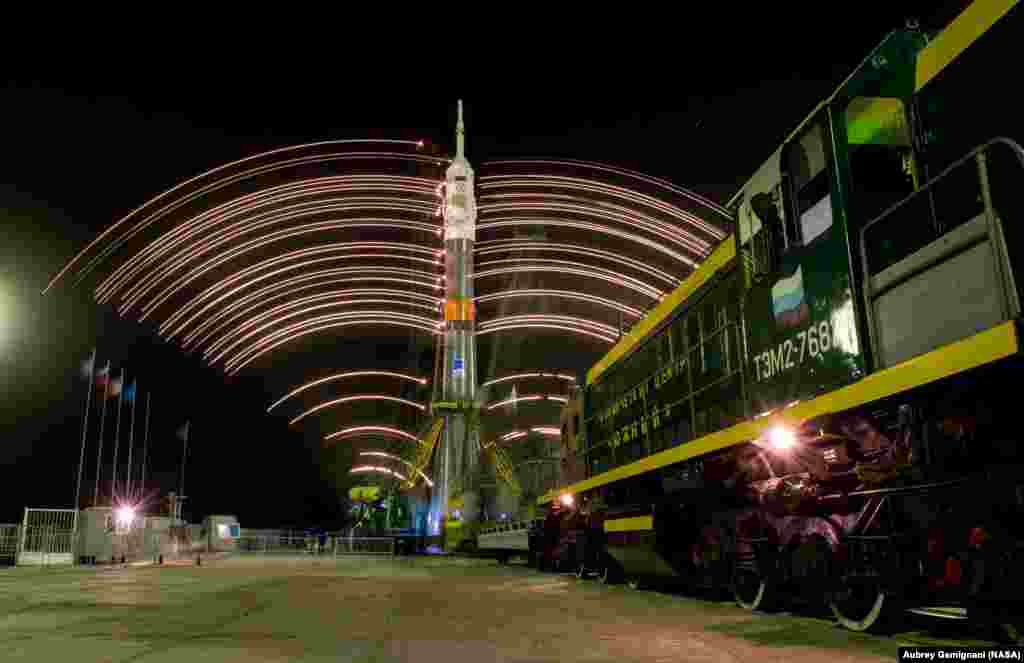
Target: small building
220, 533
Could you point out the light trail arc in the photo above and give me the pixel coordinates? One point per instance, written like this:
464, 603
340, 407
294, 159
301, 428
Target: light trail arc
515, 222
657, 181
239, 309
306, 305
381, 454
487, 247
268, 345
300, 329
526, 376
250, 276
209, 219
216, 261
165, 194
631, 311
351, 399
345, 376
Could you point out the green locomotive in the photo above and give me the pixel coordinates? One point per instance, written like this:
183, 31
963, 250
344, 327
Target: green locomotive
826, 408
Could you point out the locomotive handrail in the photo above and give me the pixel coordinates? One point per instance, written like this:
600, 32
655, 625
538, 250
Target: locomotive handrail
993, 233
1014, 146
900, 489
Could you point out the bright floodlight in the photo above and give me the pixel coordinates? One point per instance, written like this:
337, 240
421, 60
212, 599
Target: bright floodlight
567, 499
782, 438
125, 515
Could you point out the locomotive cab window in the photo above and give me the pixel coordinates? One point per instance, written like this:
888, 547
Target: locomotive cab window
806, 162
881, 163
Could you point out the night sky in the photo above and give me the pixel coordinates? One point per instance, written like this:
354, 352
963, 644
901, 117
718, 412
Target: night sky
700, 104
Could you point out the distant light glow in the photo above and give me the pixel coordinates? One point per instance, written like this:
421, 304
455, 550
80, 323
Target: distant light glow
566, 499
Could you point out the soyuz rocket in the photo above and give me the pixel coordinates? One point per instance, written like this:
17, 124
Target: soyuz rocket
455, 465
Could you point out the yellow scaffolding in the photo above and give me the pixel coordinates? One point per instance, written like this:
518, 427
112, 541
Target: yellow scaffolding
424, 449
502, 466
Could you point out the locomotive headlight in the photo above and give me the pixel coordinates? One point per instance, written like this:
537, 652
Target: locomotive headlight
567, 499
782, 438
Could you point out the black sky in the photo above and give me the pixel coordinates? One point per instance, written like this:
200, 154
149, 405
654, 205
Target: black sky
696, 100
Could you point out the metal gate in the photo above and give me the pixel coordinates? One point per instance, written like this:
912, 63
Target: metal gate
47, 537
10, 536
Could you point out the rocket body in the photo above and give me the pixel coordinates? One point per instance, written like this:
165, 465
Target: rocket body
457, 456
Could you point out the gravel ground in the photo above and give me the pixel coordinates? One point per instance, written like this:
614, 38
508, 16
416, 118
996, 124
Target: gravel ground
406, 609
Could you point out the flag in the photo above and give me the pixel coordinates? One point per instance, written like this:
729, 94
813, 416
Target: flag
183, 431
129, 391
103, 376
115, 387
89, 365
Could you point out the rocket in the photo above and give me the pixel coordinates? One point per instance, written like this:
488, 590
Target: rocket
459, 312
458, 453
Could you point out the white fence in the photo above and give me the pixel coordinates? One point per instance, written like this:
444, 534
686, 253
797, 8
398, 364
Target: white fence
47, 536
332, 545
61, 537
10, 536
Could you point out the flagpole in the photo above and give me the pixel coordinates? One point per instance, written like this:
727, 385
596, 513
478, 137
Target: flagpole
145, 445
184, 451
85, 429
131, 440
99, 451
117, 437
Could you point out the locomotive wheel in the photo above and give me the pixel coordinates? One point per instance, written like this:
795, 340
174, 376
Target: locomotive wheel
581, 571
860, 604
754, 591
